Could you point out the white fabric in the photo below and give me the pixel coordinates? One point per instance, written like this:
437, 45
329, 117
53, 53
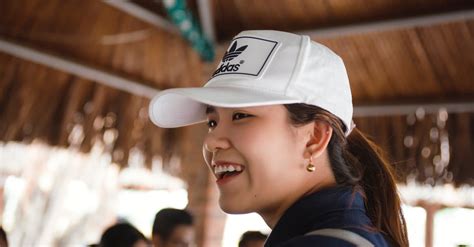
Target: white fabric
345, 235
263, 68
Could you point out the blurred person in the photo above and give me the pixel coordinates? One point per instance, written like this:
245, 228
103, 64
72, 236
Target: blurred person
123, 235
3, 238
173, 228
252, 239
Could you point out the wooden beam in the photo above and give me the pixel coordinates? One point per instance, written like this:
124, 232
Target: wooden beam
405, 109
386, 25
139, 88
380, 26
207, 20
143, 14
84, 71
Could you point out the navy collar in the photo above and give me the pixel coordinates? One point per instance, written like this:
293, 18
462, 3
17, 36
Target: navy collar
336, 207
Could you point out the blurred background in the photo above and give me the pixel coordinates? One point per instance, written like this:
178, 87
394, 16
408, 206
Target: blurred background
78, 152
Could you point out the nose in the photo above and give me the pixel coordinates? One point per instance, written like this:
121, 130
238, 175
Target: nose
216, 140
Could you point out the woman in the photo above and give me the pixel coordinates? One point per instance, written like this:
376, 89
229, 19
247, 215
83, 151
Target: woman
282, 143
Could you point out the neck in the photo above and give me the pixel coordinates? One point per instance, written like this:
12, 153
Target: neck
271, 216
322, 178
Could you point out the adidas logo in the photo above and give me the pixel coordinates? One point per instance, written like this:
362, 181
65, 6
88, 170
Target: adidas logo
233, 52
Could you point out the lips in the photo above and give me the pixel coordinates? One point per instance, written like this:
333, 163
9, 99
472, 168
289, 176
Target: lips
224, 170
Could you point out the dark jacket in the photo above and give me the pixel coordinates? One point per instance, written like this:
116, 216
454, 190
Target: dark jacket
336, 207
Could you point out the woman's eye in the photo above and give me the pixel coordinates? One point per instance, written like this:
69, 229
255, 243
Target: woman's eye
238, 116
211, 123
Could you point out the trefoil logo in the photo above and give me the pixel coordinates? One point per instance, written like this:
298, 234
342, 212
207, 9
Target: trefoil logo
229, 55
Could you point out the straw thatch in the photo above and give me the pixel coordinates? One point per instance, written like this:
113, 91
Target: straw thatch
428, 63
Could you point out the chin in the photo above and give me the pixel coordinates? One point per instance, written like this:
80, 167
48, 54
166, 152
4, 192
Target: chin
233, 207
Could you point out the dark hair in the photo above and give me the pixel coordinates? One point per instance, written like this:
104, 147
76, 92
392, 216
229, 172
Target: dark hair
250, 236
166, 220
121, 235
3, 236
358, 162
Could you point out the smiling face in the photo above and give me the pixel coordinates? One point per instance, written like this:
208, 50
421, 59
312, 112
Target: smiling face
258, 158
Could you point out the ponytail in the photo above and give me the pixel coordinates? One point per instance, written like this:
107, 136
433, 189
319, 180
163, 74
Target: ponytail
383, 203
358, 162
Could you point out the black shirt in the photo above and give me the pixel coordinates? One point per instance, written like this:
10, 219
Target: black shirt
336, 207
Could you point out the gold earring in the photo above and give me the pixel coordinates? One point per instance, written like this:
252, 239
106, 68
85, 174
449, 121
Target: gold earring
310, 167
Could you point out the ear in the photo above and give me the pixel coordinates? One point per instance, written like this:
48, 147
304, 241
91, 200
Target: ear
319, 139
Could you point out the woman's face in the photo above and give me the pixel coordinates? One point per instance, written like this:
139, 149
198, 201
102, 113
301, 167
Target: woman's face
257, 157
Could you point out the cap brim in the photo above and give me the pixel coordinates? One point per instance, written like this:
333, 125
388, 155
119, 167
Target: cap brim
185, 106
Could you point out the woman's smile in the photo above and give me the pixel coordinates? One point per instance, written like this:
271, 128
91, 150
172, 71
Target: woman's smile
225, 171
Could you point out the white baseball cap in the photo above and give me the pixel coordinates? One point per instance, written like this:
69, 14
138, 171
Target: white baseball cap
263, 67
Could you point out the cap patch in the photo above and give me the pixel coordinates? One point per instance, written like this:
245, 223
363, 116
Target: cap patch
246, 56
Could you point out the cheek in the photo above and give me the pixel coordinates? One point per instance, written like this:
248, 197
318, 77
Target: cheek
252, 143
207, 156
270, 151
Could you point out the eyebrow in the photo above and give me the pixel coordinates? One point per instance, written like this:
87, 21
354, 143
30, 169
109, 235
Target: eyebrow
210, 109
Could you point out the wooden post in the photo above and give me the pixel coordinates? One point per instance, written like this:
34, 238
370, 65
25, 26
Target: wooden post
431, 210
202, 191
1, 202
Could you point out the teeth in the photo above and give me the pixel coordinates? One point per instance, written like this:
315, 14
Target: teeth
228, 168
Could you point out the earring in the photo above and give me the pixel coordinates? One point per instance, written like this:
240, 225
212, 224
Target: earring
310, 167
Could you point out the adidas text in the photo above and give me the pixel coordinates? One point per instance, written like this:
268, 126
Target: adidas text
227, 68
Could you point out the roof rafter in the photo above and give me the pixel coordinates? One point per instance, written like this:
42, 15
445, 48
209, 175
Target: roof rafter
84, 71
143, 14
207, 20
385, 25
377, 110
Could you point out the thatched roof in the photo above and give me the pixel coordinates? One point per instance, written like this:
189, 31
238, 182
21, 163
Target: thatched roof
397, 53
